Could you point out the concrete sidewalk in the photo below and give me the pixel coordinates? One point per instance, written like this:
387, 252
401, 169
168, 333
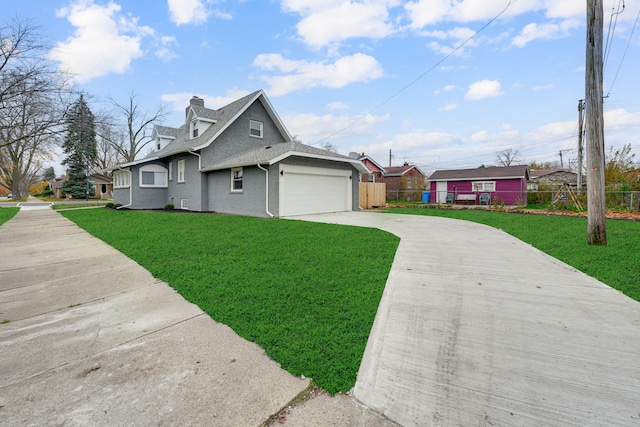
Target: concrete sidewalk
476, 328
94, 339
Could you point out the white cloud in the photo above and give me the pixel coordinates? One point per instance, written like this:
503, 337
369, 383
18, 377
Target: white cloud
187, 11
300, 75
104, 41
326, 22
311, 128
418, 143
544, 31
458, 35
180, 100
337, 106
484, 89
448, 107
543, 87
165, 51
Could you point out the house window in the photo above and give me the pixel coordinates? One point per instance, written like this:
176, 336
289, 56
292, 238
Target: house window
153, 176
480, 186
236, 179
409, 182
184, 204
194, 129
371, 178
255, 129
170, 171
180, 170
158, 143
121, 179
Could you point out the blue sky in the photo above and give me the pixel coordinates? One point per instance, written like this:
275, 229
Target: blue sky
366, 76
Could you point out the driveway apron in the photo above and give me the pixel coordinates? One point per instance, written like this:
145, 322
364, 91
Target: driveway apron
477, 328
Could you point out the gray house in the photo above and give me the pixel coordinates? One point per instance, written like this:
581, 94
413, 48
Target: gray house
238, 159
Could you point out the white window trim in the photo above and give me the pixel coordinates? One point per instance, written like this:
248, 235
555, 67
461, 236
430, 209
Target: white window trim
122, 178
154, 169
184, 204
260, 126
372, 177
170, 171
181, 171
483, 186
233, 190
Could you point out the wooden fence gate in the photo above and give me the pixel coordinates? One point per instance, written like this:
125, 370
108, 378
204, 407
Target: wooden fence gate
372, 194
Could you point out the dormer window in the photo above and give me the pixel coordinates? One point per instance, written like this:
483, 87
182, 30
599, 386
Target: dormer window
194, 129
255, 129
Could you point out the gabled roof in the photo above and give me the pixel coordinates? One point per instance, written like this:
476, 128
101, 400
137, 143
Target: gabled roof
543, 172
222, 118
272, 154
400, 170
369, 159
165, 132
493, 172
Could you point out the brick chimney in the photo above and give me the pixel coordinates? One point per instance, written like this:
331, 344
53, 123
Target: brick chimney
194, 102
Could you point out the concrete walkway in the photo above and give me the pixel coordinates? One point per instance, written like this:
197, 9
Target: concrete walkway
476, 328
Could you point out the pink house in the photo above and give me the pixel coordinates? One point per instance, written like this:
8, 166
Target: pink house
506, 185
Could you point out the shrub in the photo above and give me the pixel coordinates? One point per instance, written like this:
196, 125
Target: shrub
168, 207
110, 206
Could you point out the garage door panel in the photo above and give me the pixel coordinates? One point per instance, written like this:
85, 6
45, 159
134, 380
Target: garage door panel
304, 192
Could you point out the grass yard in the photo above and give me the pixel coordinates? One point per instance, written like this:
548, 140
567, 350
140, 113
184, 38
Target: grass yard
565, 238
307, 293
7, 213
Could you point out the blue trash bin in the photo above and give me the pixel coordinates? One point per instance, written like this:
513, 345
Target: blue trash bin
426, 197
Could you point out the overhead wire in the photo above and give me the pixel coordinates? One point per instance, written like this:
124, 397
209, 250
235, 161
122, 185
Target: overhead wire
414, 81
611, 31
625, 52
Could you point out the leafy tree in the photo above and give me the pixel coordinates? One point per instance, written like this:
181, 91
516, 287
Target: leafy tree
80, 148
618, 164
49, 174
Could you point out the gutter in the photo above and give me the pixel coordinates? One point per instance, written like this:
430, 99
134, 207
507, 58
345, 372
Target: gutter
266, 190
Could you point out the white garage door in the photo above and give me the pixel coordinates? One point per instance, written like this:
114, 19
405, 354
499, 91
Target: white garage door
308, 190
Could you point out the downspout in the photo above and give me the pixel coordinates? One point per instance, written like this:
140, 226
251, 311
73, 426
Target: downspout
130, 190
266, 189
199, 159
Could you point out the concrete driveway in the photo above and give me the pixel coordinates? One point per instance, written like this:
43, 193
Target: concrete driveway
476, 328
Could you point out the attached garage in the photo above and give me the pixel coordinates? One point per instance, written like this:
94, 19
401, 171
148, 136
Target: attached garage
309, 190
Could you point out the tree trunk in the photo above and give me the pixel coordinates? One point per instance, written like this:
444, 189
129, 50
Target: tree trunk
596, 228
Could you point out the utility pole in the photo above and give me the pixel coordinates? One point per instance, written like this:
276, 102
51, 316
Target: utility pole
596, 203
561, 162
389, 157
580, 117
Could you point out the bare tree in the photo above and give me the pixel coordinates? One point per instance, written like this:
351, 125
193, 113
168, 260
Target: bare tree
508, 157
108, 137
138, 128
32, 100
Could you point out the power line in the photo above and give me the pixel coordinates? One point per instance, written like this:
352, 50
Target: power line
414, 81
611, 32
625, 52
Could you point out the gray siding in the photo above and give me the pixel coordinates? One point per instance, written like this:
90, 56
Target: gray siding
250, 202
194, 187
121, 196
146, 198
235, 139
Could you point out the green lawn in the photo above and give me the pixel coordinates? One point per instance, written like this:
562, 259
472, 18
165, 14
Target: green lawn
565, 238
7, 213
307, 293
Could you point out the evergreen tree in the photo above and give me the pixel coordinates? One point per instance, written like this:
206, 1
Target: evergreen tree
81, 150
